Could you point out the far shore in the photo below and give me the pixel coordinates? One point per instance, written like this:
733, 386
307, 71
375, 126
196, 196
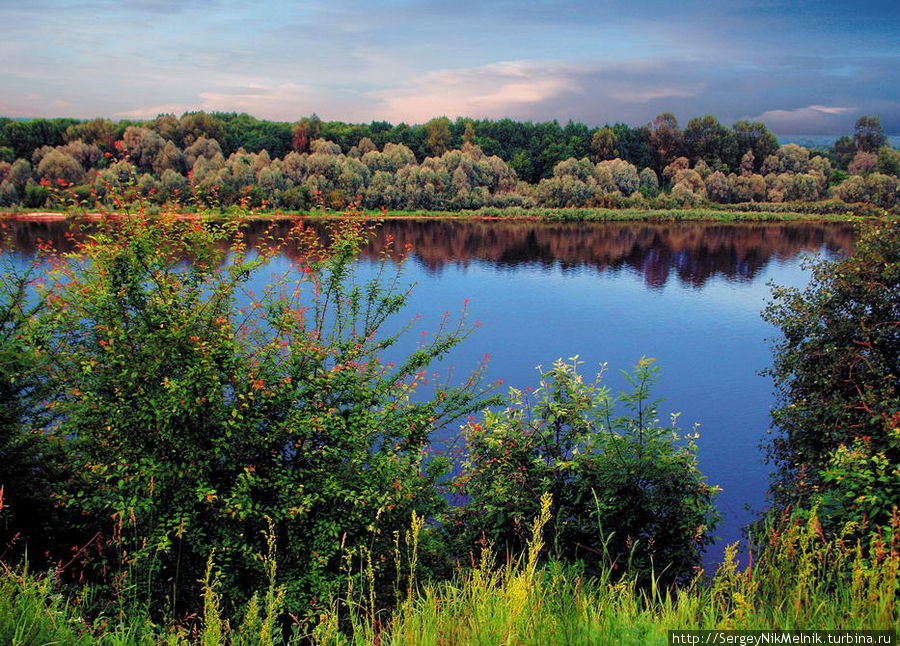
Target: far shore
487, 214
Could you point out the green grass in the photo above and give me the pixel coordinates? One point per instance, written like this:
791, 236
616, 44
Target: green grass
674, 215
802, 582
729, 213
611, 215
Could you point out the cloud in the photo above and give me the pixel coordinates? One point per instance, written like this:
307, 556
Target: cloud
491, 91
807, 120
798, 68
827, 110
287, 101
151, 111
519, 89
283, 102
644, 95
533, 89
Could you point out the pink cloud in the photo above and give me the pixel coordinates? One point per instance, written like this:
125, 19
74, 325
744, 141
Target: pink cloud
491, 91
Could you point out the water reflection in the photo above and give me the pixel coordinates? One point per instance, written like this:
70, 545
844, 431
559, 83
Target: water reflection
692, 252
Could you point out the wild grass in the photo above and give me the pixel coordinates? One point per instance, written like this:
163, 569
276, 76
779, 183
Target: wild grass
801, 580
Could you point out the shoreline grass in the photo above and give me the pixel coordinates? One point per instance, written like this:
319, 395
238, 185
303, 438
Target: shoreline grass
555, 215
800, 581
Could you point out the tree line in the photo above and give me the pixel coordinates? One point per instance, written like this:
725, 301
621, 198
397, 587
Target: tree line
223, 158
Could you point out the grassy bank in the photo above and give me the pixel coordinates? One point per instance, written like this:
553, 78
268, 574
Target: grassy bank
800, 582
541, 214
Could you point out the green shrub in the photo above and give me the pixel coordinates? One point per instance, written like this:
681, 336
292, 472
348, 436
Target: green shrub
192, 418
861, 486
625, 489
297, 198
35, 196
836, 368
28, 459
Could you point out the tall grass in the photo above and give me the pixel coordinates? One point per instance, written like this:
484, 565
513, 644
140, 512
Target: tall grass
801, 580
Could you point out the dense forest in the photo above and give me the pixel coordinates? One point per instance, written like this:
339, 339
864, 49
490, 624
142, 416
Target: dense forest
212, 160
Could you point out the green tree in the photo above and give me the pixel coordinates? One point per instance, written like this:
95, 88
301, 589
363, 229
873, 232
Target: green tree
705, 138
753, 136
869, 135
100, 132
57, 165
604, 145
634, 146
863, 163
29, 464
666, 139
842, 151
468, 136
438, 136
889, 161
26, 136
649, 183
718, 188
194, 125
305, 130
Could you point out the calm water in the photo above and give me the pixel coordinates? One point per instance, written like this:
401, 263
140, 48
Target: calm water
689, 295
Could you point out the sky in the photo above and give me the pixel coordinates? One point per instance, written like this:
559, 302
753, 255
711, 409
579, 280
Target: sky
801, 66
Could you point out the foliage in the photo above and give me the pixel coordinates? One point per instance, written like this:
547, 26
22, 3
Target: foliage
625, 489
194, 411
868, 134
836, 369
222, 159
800, 581
861, 485
29, 460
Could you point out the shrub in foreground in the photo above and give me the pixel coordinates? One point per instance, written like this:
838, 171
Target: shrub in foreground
626, 490
194, 411
836, 368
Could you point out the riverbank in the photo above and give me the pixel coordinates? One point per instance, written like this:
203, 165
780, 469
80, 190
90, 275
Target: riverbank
513, 213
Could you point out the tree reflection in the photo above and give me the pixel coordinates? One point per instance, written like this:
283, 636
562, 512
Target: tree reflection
691, 251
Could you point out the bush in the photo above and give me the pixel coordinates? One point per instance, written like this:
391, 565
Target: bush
297, 198
195, 413
861, 486
35, 196
625, 489
30, 461
836, 369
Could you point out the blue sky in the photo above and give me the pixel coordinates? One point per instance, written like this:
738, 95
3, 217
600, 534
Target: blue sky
800, 66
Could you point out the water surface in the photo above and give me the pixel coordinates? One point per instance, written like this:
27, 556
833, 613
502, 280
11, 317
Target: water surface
689, 295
